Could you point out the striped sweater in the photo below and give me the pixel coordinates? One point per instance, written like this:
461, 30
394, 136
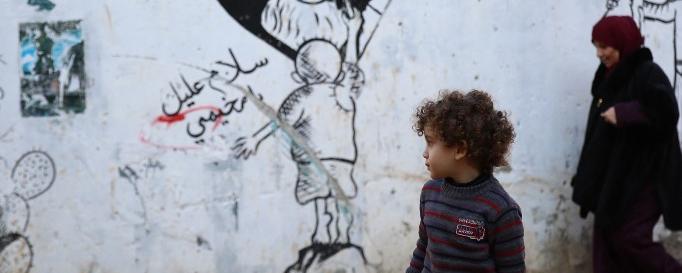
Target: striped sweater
475, 227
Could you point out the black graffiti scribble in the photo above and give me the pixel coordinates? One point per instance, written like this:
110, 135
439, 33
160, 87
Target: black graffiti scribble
203, 243
33, 174
135, 172
151, 165
127, 173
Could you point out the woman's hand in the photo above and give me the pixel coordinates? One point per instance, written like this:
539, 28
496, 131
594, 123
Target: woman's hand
610, 116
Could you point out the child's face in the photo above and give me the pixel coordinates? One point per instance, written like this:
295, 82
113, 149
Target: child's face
440, 159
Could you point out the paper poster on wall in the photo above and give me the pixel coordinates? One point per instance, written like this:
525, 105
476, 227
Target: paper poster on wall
52, 68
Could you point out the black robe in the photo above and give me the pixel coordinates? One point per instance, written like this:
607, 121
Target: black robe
617, 162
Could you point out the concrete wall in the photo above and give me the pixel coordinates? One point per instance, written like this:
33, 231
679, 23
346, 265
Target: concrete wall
130, 153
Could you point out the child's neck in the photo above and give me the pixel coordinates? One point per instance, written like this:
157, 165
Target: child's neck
466, 174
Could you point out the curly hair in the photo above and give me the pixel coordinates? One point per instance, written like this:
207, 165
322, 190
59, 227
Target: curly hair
468, 119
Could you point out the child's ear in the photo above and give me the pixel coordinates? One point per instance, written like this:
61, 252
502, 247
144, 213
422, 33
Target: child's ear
460, 151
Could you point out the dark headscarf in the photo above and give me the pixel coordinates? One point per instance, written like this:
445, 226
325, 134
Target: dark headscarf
619, 32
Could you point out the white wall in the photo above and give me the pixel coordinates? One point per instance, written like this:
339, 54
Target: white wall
195, 208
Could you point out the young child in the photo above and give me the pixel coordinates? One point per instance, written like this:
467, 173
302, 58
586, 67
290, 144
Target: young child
468, 221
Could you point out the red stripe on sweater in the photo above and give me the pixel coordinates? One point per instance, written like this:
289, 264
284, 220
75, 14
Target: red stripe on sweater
509, 253
421, 246
432, 188
488, 202
507, 226
445, 266
456, 244
416, 264
441, 215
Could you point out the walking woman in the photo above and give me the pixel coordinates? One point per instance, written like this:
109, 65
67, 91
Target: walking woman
630, 169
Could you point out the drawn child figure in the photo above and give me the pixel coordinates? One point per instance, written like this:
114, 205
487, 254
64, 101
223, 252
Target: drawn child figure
322, 111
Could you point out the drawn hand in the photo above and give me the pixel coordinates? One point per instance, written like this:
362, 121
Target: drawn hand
610, 116
356, 78
348, 10
244, 147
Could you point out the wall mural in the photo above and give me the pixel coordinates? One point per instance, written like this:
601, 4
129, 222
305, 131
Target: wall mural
52, 66
325, 41
32, 175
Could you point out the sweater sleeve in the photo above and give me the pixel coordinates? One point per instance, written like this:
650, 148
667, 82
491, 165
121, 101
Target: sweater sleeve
417, 262
507, 246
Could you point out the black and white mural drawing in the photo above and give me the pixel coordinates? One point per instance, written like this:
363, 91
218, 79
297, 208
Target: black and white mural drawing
325, 41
